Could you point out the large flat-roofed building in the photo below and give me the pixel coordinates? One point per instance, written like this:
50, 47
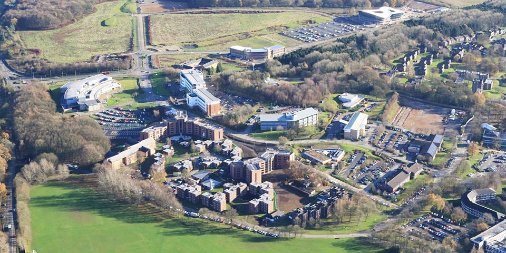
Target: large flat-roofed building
197, 95
204, 100
191, 79
181, 124
355, 129
248, 53
300, 118
380, 15
131, 155
86, 94
492, 240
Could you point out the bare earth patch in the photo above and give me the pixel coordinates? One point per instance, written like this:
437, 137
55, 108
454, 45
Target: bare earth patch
420, 117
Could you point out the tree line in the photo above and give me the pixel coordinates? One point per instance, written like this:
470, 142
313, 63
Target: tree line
296, 3
40, 129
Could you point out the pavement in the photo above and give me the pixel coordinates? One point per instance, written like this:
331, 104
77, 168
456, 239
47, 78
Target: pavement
10, 215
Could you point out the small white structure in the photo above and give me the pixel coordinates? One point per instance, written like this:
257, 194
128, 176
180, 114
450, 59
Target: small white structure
86, 94
355, 129
350, 100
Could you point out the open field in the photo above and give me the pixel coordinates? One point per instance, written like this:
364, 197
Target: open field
220, 31
65, 216
455, 3
86, 38
420, 117
352, 225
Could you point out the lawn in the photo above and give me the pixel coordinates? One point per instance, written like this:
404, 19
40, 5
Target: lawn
127, 96
85, 38
353, 226
220, 31
456, 3
269, 135
159, 84
65, 216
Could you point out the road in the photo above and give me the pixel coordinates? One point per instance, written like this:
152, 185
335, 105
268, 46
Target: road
10, 215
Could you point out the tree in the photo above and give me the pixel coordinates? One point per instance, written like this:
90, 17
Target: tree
3, 192
282, 140
436, 201
219, 68
458, 214
230, 214
474, 148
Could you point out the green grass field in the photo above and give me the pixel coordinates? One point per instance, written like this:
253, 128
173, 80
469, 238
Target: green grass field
353, 226
220, 31
127, 96
159, 84
108, 30
68, 218
269, 135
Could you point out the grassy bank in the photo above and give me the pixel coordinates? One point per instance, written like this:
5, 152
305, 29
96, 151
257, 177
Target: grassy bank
108, 30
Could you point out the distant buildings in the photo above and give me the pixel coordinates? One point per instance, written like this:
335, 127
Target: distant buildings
199, 64
492, 240
380, 15
471, 202
197, 95
248, 53
350, 100
288, 120
86, 94
492, 137
426, 149
355, 129
132, 154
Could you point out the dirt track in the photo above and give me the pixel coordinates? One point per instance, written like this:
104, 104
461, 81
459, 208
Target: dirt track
420, 118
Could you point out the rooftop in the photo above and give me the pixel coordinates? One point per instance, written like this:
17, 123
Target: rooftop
289, 116
205, 95
193, 76
358, 121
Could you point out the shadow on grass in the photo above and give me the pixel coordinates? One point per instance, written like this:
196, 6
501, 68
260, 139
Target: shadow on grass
81, 199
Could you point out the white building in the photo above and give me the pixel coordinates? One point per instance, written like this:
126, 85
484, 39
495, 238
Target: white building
300, 118
86, 94
382, 14
350, 100
191, 79
355, 129
197, 95
493, 239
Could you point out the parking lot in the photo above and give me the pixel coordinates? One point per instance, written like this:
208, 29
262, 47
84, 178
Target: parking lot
389, 140
325, 31
434, 227
121, 123
492, 162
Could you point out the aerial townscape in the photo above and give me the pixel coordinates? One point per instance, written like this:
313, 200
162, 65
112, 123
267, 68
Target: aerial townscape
248, 126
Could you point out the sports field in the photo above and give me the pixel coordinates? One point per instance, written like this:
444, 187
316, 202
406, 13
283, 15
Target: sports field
219, 31
108, 30
68, 218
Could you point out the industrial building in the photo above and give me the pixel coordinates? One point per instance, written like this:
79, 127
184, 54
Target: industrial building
350, 100
355, 129
287, 120
89, 93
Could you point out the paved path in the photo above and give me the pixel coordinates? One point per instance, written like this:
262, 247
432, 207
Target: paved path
10, 216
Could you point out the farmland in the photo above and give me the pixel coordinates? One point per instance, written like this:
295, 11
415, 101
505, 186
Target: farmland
207, 31
108, 30
68, 217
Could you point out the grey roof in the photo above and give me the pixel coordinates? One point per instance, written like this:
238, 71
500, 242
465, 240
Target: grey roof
205, 95
289, 116
193, 76
431, 150
275, 47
